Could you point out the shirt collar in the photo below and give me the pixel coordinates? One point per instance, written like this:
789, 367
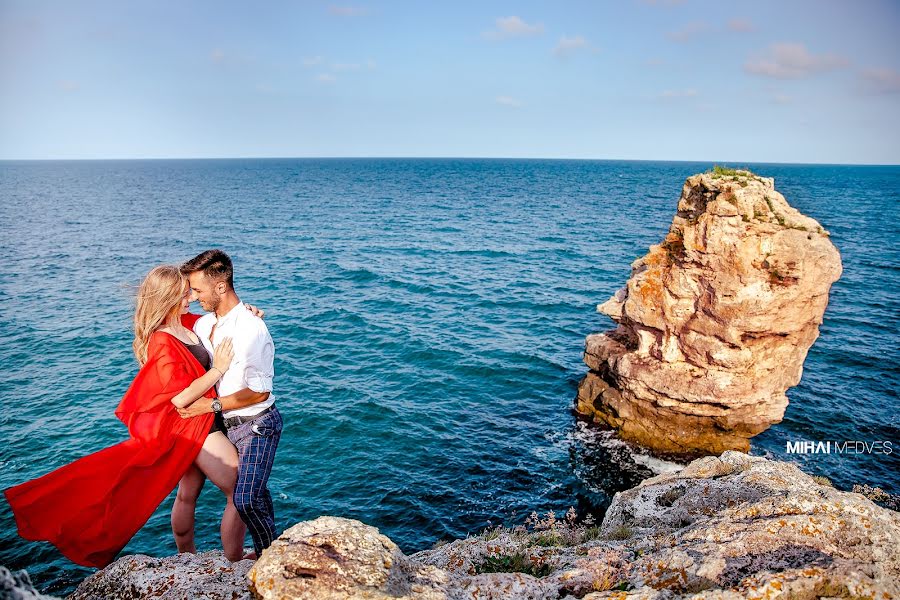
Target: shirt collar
231, 314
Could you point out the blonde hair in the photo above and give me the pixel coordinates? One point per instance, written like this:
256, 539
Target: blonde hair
158, 304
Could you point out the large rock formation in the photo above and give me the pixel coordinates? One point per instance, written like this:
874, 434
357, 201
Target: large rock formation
714, 323
728, 527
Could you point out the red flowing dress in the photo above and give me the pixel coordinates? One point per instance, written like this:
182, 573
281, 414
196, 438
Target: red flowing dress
91, 508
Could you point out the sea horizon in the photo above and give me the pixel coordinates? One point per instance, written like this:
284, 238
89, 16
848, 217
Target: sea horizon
727, 163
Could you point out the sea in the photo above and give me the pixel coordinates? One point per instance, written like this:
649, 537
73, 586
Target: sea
429, 318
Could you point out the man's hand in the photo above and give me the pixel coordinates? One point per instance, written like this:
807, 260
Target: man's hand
200, 407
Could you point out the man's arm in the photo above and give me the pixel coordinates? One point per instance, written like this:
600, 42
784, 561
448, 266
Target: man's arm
239, 399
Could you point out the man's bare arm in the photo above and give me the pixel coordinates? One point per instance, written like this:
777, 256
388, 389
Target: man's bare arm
242, 398
239, 399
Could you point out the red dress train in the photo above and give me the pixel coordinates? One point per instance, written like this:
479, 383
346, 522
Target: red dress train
91, 508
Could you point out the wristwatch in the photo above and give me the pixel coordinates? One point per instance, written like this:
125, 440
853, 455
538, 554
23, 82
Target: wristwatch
216, 405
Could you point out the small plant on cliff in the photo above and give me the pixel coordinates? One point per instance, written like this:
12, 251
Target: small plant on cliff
517, 562
878, 495
718, 171
622, 532
551, 531
548, 531
674, 245
778, 217
728, 196
608, 580
590, 534
548, 539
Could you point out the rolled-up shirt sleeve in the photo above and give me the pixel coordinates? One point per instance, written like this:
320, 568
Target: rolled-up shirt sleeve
259, 363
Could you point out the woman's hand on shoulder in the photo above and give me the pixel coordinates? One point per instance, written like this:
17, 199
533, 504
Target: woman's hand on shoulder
255, 311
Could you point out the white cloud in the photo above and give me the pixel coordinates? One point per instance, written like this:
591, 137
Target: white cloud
69, 86
219, 56
669, 94
319, 61
508, 101
792, 61
881, 80
568, 45
741, 25
782, 99
347, 11
688, 32
326, 78
509, 27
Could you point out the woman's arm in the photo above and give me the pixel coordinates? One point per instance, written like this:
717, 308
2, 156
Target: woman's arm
221, 361
197, 388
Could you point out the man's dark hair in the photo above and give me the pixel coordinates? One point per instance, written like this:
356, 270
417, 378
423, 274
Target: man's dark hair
215, 264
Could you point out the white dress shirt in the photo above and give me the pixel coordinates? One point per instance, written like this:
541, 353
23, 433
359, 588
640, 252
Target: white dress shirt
254, 355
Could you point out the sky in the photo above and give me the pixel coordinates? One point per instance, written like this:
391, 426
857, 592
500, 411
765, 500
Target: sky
766, 81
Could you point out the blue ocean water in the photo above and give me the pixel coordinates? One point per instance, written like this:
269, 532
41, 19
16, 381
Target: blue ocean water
429, 319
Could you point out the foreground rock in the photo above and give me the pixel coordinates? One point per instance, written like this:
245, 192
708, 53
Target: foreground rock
729, 527
334, 558
714, 323
726, 527
17, 586
205, 576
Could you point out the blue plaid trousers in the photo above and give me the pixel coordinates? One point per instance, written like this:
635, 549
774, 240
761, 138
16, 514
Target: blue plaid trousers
256, 442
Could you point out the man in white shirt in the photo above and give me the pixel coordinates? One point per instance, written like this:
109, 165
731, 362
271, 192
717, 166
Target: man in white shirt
252, 421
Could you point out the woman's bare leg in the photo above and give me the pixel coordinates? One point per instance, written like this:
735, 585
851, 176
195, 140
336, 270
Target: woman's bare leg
183, 510
219, 461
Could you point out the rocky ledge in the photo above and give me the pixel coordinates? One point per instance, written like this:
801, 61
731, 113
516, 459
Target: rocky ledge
714, 323
727, 527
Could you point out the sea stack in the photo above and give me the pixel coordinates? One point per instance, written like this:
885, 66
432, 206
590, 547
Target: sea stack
714, 323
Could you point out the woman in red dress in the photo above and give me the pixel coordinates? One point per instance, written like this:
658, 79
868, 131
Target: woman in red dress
91, 508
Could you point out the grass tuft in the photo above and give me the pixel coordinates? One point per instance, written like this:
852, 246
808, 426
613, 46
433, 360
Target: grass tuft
728, 172
517, 562
622, 532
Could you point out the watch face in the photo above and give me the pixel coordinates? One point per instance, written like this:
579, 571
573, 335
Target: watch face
216, 406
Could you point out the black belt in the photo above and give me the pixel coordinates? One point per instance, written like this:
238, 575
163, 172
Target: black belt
235, 421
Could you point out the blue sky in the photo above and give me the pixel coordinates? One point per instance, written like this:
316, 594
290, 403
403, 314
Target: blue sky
788, 81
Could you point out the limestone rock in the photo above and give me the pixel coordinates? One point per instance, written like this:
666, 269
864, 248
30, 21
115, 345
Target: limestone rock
17, 586
205, 576
714, 323
745, 527
333, 558
728, 527
724, 527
